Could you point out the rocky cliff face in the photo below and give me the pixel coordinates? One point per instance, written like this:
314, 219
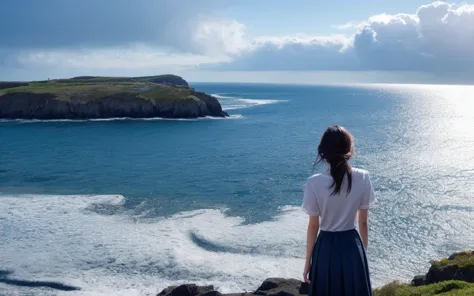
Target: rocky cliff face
90, 97
26, 105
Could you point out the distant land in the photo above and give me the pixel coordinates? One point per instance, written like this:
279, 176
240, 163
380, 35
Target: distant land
94, 97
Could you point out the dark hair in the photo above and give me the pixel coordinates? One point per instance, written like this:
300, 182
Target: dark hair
336, 148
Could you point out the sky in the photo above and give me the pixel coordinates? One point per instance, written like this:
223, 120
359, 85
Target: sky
303, 41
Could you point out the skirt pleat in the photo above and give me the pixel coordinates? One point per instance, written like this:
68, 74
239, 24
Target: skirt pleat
339, 265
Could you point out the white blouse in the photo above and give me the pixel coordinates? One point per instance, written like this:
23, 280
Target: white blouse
338, 212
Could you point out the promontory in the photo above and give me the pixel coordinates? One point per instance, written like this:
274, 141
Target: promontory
92, 97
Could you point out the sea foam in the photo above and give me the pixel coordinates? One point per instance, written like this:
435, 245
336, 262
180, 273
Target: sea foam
95, 243
234, 102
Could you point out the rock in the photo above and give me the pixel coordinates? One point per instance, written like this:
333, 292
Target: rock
459, 266
418, 280
167, 291
281, 287
270, 287
211, 293
212, 104
189, 290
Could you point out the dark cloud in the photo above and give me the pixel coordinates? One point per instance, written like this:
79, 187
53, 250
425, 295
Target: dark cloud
53, 24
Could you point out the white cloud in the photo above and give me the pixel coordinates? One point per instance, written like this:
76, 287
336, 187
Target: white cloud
220, 37
437, 38
350, 26
134, 57
299, 52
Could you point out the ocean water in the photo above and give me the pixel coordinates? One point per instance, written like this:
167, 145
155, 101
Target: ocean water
128, 207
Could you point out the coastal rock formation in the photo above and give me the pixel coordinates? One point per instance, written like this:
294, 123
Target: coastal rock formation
452, 276
270, 287
458, 266
90, 97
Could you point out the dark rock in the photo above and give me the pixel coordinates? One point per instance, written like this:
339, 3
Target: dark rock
166, 291
418, 280
459, 266
270, 287
280, 287
212, 104
450, 272
211, 293
188, 290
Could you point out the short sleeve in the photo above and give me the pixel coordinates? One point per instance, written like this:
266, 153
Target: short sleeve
368, 195
310, 202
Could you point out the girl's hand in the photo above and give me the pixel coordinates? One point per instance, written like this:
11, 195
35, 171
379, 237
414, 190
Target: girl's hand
307, 268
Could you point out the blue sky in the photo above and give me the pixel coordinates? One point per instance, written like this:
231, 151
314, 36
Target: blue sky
259, 40
311, 17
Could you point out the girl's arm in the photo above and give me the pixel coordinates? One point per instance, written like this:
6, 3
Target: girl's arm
364, 226
311, 235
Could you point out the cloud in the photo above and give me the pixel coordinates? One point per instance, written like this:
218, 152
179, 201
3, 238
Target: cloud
53, 24
295, 53
438, 38
350, 26
134, 57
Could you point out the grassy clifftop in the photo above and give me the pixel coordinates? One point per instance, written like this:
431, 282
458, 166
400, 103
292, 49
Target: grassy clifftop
103, 97
82, 92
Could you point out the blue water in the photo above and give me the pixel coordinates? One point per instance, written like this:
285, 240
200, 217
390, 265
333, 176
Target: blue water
134, 205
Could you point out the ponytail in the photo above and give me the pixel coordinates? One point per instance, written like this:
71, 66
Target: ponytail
336, 148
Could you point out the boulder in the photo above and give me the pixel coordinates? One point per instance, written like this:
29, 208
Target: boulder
270, 287
282, 287
418, 280
189, 290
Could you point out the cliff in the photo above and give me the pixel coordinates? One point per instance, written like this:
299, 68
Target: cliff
89, 97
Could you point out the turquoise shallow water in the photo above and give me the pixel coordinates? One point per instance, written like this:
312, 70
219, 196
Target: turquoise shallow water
135, 205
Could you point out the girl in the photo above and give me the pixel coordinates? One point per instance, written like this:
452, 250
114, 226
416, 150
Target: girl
335, 201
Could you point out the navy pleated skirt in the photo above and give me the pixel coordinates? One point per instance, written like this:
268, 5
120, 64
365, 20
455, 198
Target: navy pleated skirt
339, 265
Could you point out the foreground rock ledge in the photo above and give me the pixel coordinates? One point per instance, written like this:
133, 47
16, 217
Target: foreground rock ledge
270, 287
452, 276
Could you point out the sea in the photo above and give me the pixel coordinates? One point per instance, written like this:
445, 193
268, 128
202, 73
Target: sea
129, 207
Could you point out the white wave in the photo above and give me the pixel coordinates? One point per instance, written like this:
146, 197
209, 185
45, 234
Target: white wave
63, 239
233, 116
222, 97
94, 243
233, 103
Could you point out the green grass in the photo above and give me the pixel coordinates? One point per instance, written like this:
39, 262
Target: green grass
460, 259
172, 79
88, 91
448, 288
